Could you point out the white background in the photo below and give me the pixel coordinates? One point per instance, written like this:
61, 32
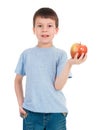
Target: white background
78, 23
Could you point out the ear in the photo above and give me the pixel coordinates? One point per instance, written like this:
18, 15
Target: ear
33, 29
57, 29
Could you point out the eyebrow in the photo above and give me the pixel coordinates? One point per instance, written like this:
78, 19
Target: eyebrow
42, 23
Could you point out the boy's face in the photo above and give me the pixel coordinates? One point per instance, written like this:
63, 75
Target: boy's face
45, 29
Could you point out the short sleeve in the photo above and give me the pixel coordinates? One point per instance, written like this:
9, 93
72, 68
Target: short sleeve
20, 66
61, 63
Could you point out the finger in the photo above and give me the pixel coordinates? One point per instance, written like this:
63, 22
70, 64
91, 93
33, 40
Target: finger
81, 57
76, 56
22, 110
23, 115
85, 57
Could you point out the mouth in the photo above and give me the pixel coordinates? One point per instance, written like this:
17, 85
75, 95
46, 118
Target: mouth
44, 36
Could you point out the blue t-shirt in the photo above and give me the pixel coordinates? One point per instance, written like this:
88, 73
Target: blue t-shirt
41, 66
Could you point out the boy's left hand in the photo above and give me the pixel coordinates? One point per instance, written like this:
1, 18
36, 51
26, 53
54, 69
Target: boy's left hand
79, 60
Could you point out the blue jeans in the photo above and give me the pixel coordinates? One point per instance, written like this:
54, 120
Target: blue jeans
44, 121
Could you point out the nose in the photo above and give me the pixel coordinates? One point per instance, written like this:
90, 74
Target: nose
44, 29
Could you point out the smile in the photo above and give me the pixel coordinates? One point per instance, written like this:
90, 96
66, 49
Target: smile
45, 36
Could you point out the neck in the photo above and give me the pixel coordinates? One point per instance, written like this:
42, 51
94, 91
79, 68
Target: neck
45, 45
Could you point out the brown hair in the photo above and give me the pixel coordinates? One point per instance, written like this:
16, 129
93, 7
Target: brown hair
46, 13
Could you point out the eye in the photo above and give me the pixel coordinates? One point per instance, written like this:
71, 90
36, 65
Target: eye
50, 25
39, 25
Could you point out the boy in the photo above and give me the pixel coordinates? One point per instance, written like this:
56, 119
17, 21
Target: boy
46, 69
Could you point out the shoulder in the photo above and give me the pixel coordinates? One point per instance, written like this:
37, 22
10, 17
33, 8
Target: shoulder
27, 51
60, 52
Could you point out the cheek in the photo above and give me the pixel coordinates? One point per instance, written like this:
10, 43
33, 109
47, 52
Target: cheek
36, 32
54, 32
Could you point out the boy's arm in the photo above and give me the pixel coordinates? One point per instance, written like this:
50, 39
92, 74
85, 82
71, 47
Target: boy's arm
60, 81
19, 91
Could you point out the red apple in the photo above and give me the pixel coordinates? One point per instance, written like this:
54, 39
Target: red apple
78, 48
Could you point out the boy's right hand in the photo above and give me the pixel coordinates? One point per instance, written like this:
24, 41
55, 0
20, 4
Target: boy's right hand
22, 112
